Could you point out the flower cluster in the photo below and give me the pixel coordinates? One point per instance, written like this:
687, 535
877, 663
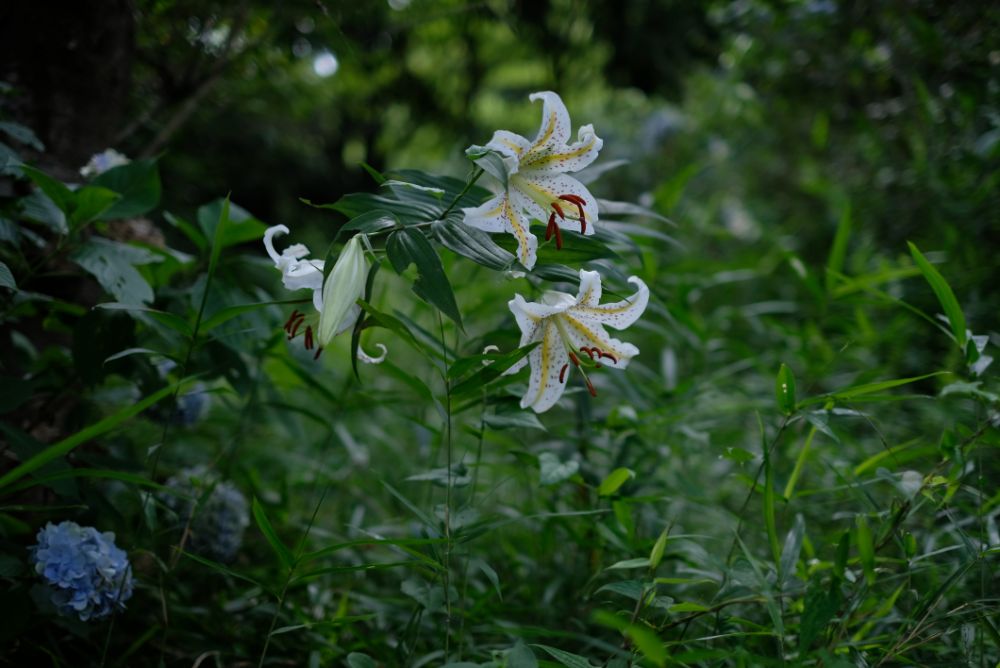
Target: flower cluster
215, 527
535, 186
569, 330
88, 575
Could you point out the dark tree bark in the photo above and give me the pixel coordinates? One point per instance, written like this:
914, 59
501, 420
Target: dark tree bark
70, 65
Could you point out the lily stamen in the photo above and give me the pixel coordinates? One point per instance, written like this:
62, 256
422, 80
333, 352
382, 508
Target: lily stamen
562, 373
579, 202
309, 338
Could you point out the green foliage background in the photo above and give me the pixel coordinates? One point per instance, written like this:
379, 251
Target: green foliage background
799, 469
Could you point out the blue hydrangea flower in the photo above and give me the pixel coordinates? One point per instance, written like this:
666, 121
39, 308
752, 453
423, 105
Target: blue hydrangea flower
191, 406
88, 574
215, 528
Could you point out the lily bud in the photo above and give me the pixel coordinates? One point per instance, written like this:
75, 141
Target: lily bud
341, 290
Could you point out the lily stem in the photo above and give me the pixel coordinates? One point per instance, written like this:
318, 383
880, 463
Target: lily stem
468, 186
447, 501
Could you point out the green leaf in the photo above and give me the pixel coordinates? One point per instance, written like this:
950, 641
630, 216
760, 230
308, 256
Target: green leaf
67, 445
21, 134
472, 243
101, 474
112, 264
821, 604
944, 295
552, 471
642, 637
565, 658
866, 548
769, 494
519, 419
792, 548
489, 373
491, 575
615, 480
688, 606
359, 660
57, 191
224, 315
138, 183
656, 554
491, 162
784, 389
241, 226
91, 202
408, 246
171, 320
271, 535
7, 278
838, 251
371, 221
520, 656
39, 208
194, 235
843, 554
868, 388
221, 568
640, 562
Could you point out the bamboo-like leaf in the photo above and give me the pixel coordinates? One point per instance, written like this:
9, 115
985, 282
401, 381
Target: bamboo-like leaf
67, 445
266, 528
944, 295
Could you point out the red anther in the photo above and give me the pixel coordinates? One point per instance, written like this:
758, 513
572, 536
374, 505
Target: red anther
558, 233
598, 365
609, 356
309, 338
574, 359
294, 329
590, 388
319, 351
551, 226
562, 373
559, 210
580, 203
291, 319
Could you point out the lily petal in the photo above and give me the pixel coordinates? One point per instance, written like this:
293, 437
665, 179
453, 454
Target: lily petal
570, 158
490, 216
590, 288
296, 273
555, 129
616, 354
269, 234
511, 146
547, 361
368, 359
618, 314
527, 243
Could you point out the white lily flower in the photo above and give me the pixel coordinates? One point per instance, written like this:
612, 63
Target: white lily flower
538, 186
568, 328
335, 299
